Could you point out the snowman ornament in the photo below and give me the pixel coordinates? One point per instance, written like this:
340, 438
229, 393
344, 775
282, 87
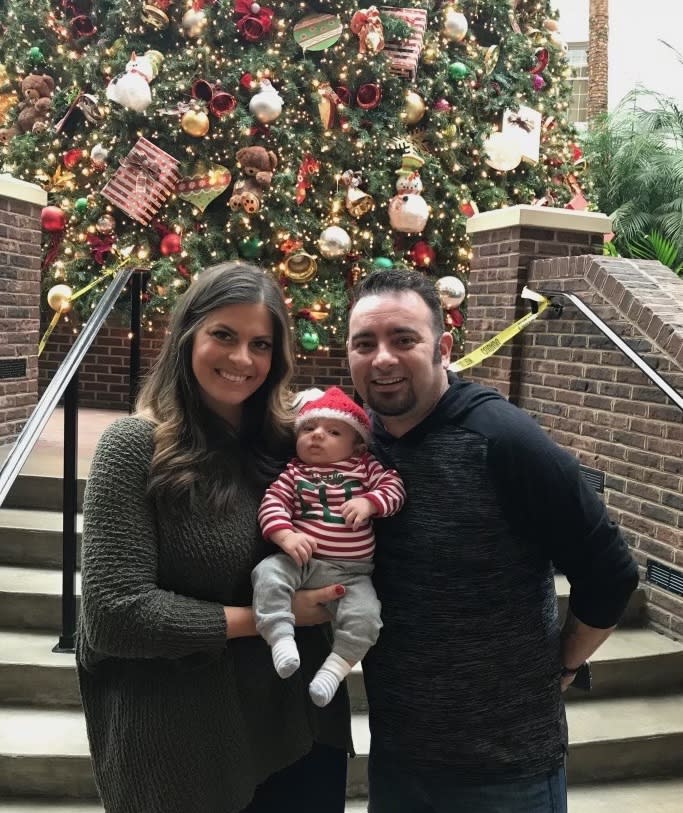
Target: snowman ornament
408, 210
266, 105
131, 89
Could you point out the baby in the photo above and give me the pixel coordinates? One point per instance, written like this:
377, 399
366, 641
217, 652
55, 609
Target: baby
318, 511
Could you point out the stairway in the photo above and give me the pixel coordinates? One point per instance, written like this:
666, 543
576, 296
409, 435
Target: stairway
626, 737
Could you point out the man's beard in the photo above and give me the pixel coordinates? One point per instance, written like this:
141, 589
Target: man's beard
392, 405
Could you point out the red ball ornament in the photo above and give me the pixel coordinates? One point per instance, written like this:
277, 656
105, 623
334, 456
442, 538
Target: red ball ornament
454, 318
52, 219
422, 254
72, 157
170, 244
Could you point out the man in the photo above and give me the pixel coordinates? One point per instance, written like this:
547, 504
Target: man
464, 684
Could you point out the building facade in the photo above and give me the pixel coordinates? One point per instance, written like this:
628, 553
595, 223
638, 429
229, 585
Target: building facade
637, 50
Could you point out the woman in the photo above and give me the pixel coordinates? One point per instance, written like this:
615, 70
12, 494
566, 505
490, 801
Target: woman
184, 710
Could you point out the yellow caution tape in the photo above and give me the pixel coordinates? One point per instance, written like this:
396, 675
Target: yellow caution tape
76, 294
492, 346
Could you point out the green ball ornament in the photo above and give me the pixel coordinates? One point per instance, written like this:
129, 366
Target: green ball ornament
382, 263
458, 70
35, 55
250, 248
310, 341
81, 205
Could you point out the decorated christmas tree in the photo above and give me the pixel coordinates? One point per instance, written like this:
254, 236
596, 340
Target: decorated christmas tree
321, 140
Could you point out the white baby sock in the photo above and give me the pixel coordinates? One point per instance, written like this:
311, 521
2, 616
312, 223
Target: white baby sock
327, 679
285, 656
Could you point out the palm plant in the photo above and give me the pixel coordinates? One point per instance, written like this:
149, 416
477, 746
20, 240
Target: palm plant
656, 247
634, 163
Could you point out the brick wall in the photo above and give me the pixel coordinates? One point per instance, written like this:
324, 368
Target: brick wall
602, 407
583, 391
19, 304
103, 380
499, 270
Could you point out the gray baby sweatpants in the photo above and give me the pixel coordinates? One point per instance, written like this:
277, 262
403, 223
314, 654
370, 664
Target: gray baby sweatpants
355, 616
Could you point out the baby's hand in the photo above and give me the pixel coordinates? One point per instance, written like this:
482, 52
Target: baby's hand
299, 546
357, 511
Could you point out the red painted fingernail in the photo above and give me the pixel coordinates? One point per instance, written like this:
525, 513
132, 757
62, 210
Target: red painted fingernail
340, 589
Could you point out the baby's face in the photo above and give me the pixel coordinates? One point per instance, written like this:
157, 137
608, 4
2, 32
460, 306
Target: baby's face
324, 441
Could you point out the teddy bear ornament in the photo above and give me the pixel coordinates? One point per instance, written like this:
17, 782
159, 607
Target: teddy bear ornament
257, 164
35, 109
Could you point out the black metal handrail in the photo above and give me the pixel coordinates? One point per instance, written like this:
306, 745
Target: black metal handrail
65, 383
616, 340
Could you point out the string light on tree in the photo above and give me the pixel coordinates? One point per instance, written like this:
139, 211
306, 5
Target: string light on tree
264, 71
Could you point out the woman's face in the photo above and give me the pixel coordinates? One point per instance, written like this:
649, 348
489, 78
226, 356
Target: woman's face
231, 356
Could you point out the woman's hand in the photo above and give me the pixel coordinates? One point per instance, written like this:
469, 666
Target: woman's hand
307, 605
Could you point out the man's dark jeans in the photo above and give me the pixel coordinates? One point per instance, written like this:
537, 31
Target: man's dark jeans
393, 789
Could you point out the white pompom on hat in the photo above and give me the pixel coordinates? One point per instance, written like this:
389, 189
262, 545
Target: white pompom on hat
336, 404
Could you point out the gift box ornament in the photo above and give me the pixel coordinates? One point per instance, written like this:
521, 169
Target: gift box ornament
143, 182
524, 126
404, 54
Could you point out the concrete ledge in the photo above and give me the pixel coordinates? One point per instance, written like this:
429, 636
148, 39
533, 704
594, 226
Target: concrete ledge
540, 217
22, 190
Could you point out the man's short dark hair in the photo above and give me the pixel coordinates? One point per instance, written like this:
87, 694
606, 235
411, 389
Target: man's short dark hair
398, 281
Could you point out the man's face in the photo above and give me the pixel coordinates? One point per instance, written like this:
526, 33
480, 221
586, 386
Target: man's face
397, 363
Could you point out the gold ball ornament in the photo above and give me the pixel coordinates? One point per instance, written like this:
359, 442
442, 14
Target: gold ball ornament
300, 267
413, 108
58, 298
194, 22
106, 224
195, 123
154, 17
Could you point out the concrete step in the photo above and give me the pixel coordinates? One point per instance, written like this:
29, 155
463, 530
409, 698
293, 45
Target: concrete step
45, 752
625, 738
31, 673
634, 614
660, 796
31, 538
40, 492
30, 598
631, 661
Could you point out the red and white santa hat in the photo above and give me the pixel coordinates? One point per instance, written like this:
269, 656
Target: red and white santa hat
336, 404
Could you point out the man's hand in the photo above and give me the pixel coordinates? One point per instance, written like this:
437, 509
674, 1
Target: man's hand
357, 511
299, 546
566, 682
307, 605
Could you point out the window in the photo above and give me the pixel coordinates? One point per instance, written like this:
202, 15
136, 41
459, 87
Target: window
578, 103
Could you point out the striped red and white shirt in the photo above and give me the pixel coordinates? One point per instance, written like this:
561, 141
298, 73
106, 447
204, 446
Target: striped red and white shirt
307, 499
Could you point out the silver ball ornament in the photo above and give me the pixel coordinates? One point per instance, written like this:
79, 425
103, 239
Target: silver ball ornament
334, 242
455, 26
451, 290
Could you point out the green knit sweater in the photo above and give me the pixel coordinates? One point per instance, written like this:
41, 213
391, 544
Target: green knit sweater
180, 719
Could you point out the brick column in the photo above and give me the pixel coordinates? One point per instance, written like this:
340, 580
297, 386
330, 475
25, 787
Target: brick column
20, 253
504, 242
